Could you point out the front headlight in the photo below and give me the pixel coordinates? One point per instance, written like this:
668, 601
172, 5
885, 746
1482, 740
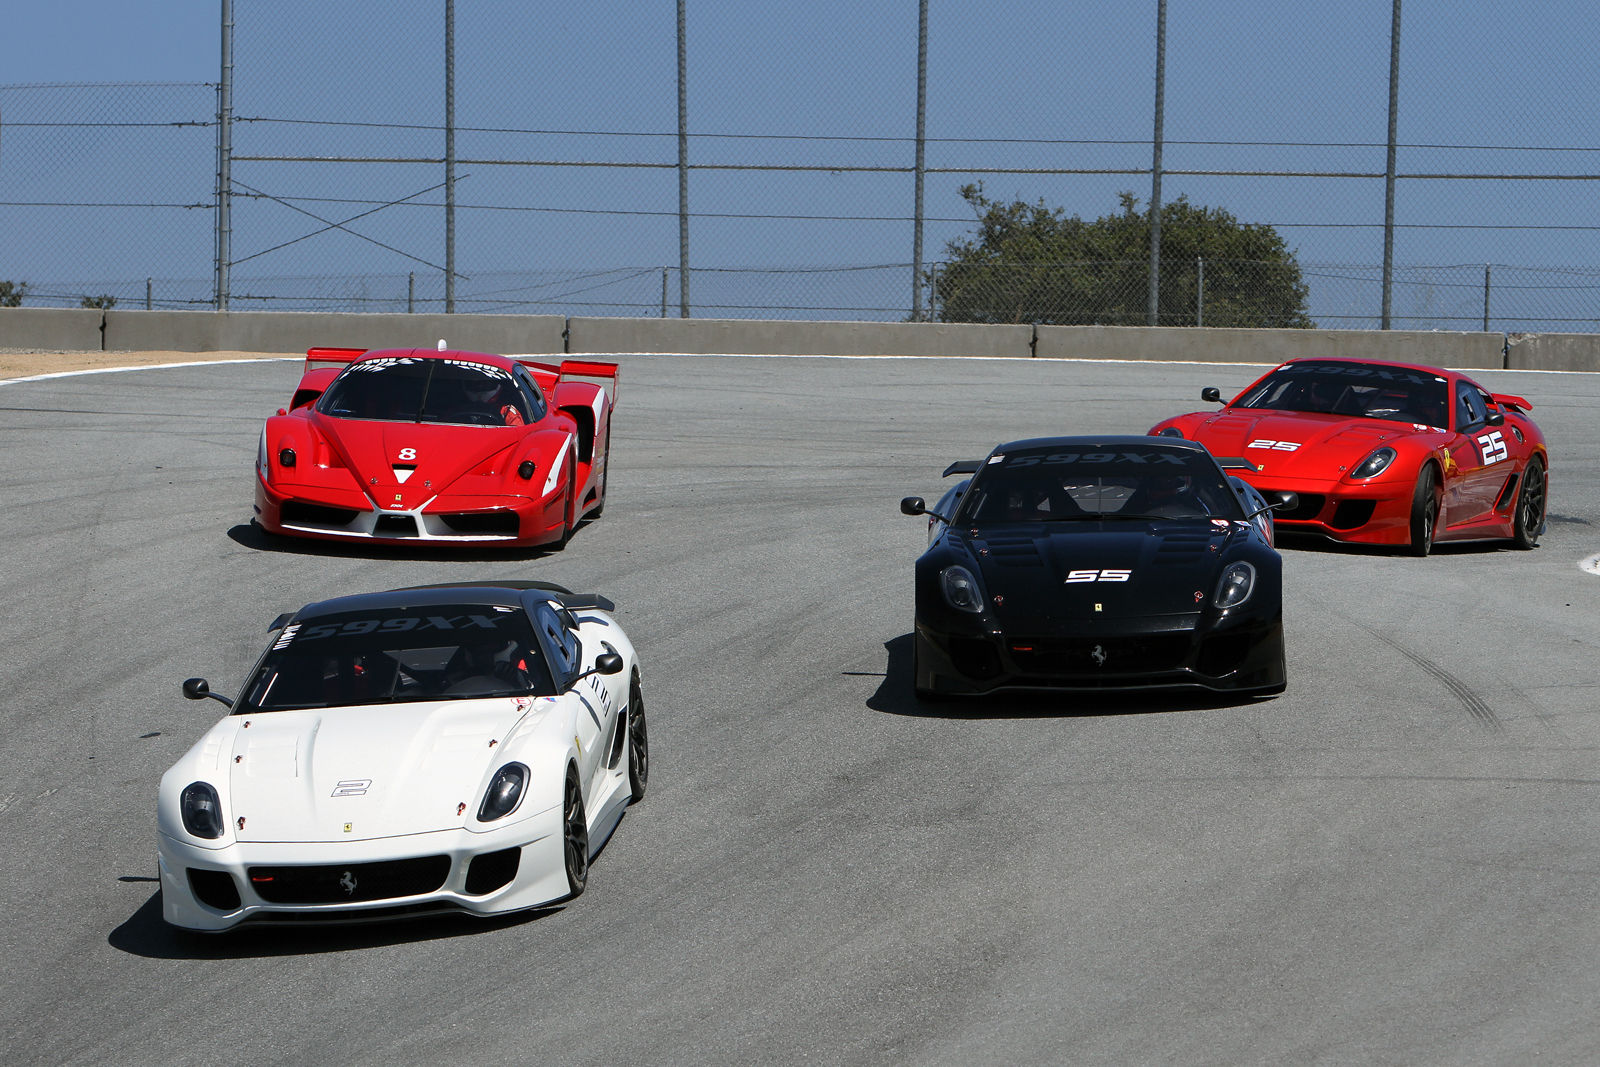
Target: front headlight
1169, 431
1237, 582
505, 792
961, 589
202, 810
1374, 464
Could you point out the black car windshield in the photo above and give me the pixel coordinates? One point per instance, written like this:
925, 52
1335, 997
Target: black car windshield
416, 389
399, 655
1095, 482
1353, 390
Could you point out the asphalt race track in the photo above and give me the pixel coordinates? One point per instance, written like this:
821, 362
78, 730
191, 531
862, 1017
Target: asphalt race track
1395, 862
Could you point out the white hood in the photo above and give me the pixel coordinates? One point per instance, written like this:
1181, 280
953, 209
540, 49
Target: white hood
349, 774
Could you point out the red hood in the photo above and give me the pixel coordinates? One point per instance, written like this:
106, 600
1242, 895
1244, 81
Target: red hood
439, 455
1296, 443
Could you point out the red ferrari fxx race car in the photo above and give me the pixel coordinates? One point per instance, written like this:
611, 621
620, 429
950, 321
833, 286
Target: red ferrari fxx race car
1383, 453
406, 445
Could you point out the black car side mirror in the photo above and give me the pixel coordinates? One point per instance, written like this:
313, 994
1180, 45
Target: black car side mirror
604, 663
1495, 418
199, 689
913, 505
1211, 395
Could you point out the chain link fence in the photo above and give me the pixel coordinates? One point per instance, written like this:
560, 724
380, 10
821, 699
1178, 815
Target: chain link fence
801, 164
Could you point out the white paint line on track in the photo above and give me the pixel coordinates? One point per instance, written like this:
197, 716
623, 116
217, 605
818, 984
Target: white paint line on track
147, 366
1591, 565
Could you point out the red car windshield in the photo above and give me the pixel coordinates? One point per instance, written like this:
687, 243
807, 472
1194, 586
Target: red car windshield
412, 389
1353, 390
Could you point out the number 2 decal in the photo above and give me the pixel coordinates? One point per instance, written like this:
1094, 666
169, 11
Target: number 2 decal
1493, 446
407, 454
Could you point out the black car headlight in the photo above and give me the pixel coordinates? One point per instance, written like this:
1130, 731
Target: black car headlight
1375, 464
201, 810
505, 792
960, 589
1237, 582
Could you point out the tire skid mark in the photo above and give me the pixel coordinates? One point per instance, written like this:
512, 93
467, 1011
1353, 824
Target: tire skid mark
1476, 706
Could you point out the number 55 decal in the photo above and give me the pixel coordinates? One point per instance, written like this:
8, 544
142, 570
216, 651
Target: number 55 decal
1493, 447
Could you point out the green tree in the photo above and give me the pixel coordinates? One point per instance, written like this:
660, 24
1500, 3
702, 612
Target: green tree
104, 301
11, 294
1033, 263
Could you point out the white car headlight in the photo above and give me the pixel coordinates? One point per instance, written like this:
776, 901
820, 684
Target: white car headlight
961, 589
201, 810
1237, 582
1375, 464
504, 793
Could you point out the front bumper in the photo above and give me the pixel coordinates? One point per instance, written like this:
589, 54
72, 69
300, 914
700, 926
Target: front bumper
472, 520
519, 866
1246, 656
1377, 513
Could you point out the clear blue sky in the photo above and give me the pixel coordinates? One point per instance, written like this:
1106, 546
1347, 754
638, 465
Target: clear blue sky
1014, 84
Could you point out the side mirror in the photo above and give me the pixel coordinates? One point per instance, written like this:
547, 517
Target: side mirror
199, 689
604, 663
1285, 500
913, 505
1495, 418
1211, 395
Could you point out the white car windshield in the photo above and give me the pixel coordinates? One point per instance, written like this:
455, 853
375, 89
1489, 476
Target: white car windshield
441, 652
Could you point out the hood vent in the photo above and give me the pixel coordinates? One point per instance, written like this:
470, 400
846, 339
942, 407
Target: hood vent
402, 471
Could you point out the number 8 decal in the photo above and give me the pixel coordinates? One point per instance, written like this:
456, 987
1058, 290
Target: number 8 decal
407, 453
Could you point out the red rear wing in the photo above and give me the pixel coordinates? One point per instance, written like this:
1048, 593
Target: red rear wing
331, 357
1516, 403
605, 375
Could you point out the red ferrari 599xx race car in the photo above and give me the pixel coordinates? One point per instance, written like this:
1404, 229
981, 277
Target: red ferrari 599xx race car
1383, 453
407, 445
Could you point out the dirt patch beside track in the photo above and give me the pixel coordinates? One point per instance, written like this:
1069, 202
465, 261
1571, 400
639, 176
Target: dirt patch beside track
15, 364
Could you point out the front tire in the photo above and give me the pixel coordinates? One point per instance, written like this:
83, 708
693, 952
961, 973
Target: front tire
638, 747
1530, 506
570, 508
575, 834
1424, 511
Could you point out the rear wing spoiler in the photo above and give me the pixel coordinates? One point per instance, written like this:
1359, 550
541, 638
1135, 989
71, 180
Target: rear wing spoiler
1506, 400
317, 358
963, 466
607, 376
1236, 463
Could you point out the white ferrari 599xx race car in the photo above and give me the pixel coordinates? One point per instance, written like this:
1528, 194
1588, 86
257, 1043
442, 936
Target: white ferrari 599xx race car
461, 748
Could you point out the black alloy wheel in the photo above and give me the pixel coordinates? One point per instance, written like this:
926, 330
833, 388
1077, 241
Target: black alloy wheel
1424, 511
576, 833
1530, 506
638, 747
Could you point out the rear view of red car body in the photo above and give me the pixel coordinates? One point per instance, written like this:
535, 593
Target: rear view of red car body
408, 446
1383, 453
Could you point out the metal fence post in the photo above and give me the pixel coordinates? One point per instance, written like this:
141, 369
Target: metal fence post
1153, 313
1388, 178
1200, 291
921, 161
449, 157
1486, 298
224, 160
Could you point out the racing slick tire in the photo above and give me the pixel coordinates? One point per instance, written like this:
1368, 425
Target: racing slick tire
575, 836
1424, 511
638, 746
605, 478
569, 508
1529, 519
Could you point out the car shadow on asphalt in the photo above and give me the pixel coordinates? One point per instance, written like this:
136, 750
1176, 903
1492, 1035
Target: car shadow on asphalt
895, 697
249, 535
147, 934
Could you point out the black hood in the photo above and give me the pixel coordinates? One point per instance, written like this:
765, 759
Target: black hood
1056, 576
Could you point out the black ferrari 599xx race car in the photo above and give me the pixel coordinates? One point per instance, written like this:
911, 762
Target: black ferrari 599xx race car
1098, 563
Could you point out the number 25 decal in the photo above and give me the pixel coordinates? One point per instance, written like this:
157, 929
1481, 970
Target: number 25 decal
1493, 446
1098, 576
407, 454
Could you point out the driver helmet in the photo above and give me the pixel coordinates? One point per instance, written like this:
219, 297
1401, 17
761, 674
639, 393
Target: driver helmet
482, 391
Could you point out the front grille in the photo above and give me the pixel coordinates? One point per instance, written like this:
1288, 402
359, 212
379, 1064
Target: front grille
1092, 656
214, 889
1352, 513
299, 513
482, 523
348, 883
1307, 509
492, 870
395, 526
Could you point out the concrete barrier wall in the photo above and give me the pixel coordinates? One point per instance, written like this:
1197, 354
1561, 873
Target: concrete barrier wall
289, 331
766, 337
1459, 351
51, 329
68, 329
1553, 351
